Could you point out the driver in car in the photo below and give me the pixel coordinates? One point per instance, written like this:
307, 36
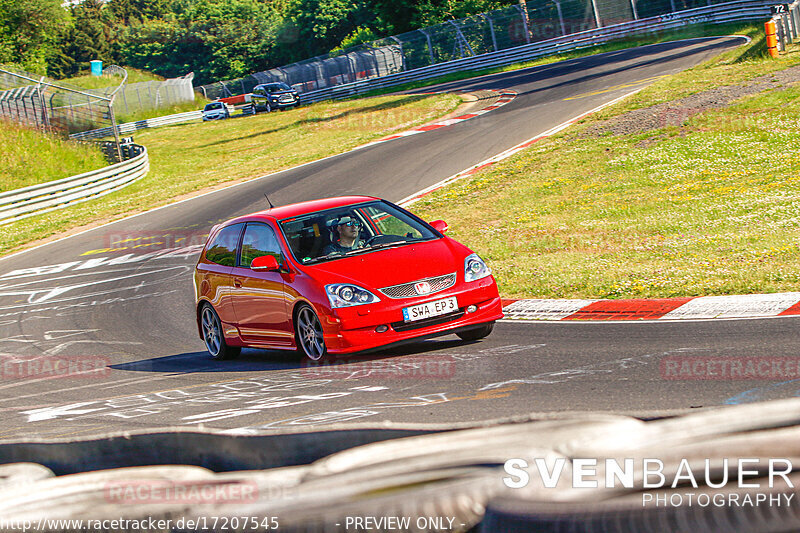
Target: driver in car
346, 231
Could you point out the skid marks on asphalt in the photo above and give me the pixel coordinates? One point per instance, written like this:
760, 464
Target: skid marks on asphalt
282, 390
606, 367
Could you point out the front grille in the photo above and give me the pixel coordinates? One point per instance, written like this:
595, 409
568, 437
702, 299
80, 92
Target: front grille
408, 326
407, 290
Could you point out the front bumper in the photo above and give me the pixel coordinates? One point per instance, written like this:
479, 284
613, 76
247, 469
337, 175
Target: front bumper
354, 329
275, 104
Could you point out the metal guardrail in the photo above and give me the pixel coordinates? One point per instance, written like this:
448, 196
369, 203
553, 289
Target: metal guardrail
130, 127
45, 197
783, 27
716, 14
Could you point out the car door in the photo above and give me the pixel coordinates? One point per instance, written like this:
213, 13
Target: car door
259, 297
215, 272
257, 98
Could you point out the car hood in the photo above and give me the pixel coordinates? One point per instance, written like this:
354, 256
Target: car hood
393, 266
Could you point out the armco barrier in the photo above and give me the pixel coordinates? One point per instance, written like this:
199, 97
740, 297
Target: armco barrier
130, 127
716, 14
38, 199
783, 27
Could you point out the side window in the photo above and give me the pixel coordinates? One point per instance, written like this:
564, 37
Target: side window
222, 250
258, 240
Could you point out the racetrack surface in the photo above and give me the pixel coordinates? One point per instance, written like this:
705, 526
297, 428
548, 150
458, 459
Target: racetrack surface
117, 308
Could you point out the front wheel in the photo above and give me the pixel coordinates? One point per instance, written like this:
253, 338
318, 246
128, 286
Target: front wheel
476, 333
213, 336
308, 334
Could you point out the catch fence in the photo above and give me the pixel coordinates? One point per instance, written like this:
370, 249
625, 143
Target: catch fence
495, 31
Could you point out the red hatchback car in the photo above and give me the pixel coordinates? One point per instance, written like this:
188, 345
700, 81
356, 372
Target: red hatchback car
335, 276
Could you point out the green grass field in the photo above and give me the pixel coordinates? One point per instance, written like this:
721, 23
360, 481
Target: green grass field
708, 207
29, 157
87, 81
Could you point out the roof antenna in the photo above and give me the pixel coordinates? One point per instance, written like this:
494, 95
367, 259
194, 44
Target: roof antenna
270, 203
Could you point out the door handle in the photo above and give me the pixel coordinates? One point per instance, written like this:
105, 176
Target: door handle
237, 283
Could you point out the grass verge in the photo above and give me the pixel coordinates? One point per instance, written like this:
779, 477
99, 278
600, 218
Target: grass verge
707, 207
29, 157
89, 81
191, 157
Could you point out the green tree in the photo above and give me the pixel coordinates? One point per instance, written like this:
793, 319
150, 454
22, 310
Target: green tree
129, 12
431, 12
89, 38
323, 24
30, 31
215, 39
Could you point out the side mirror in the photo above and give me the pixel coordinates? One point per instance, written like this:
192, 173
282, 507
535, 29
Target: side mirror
265, 263
440, 225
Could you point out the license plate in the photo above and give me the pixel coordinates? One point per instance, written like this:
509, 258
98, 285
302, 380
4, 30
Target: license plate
430, 309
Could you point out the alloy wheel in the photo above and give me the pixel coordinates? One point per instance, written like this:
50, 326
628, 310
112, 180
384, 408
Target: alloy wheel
309, 333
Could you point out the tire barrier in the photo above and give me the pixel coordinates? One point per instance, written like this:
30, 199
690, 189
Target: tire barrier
38, 199
434, 478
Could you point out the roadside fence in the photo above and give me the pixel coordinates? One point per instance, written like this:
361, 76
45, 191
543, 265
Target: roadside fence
783, 28
721, 13
58, 106
494, 32
147, 95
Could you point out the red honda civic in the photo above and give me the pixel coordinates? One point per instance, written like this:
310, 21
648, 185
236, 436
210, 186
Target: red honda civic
338, 275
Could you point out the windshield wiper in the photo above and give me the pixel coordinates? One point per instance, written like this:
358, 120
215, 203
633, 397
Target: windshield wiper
376, 247
323, 257
389, 244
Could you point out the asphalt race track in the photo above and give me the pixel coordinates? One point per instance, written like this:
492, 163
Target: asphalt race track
121, 317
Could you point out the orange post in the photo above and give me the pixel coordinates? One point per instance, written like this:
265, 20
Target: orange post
772, 38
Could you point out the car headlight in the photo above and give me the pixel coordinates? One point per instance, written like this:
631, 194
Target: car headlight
475, 268
347, 295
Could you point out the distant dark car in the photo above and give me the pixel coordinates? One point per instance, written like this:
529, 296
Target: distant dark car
284, 279
215, 111
278, 95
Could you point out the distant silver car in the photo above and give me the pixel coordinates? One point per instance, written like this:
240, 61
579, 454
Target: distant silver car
276, 95
215, 111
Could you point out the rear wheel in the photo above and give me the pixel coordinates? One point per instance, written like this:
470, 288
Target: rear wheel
213, 336
308, 334
476, 333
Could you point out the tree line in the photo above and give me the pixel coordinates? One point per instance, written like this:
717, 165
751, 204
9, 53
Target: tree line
215, 39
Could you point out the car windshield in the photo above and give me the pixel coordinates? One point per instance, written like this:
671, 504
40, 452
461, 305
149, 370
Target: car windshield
277, 87
351, 230
212, 106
